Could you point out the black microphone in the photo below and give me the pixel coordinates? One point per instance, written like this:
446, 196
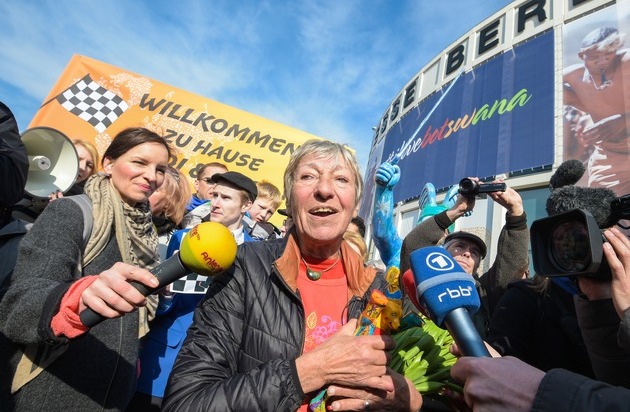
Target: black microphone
167, 272
207, 249
449, 296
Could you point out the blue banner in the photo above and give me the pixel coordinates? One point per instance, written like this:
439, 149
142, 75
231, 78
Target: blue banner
496, 119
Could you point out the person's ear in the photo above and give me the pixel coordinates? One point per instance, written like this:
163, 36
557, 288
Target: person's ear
108, 163
247, 206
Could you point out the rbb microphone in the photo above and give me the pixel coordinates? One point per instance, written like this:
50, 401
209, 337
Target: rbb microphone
207, 249
449, 295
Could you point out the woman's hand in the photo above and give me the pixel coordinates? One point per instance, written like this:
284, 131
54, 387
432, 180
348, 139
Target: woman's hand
55, 195
111, 295
404, 397
347, 360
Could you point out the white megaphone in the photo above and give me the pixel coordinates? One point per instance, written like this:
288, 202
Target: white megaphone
53, 162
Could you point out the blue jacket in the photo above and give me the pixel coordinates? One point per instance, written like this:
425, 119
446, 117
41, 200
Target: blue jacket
168, 331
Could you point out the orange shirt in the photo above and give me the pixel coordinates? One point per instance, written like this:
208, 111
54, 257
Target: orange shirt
324, 303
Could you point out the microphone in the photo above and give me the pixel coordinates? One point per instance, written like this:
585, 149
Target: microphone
207, 249
449, 296
409, 285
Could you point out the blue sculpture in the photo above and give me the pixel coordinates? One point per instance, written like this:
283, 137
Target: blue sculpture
385, 235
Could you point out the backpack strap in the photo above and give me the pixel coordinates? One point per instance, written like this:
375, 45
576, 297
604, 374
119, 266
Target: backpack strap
85, 204
35, 358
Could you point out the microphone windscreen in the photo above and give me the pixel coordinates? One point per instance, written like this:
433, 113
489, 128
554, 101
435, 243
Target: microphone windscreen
568, 173
441, 284
595, 200
208, 248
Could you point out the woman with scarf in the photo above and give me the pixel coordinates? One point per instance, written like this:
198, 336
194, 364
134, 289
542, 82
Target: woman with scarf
49, 358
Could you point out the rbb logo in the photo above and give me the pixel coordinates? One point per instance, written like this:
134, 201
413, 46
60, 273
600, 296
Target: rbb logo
456, 293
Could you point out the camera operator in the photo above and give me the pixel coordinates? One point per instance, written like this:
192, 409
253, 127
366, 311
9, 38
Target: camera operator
468, 249
603, 313
507, 383
535, 320
602, 303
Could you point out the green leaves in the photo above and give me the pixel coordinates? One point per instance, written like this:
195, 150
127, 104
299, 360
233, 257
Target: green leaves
422, 355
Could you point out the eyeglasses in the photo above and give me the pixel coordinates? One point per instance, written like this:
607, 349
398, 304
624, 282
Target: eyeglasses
208, 180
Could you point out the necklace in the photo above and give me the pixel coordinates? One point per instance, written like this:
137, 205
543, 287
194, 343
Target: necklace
315, 275
604, 82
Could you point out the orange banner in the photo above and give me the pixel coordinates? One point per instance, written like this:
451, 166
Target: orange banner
93, 101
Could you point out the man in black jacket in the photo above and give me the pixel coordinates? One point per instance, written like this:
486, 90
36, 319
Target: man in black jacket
13, 159
13, 172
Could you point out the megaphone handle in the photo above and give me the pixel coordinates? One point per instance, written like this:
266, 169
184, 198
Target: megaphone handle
166, 272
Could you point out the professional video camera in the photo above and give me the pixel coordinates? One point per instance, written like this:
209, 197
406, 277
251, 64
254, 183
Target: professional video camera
570, 243
469, 187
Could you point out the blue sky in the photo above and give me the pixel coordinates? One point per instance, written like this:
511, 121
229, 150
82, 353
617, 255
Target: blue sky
328, 67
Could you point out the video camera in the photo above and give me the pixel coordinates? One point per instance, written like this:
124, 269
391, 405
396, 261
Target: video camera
570, 243
469, 187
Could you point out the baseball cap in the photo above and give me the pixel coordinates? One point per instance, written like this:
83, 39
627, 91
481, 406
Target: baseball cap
239, 180
470, 237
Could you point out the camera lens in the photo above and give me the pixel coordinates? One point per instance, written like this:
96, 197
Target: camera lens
570, 247
468, 186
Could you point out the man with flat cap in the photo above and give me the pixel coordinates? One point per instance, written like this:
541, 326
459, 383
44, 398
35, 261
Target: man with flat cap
469, 249
234, 195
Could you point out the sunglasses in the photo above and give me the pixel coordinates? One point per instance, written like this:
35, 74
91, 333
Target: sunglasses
208, 180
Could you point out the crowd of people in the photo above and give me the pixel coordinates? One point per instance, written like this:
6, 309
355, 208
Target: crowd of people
278, 326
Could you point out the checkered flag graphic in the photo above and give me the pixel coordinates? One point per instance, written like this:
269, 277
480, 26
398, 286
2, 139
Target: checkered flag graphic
192, 283
92, 103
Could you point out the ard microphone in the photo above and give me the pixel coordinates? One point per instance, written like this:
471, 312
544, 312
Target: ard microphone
449, 296
207, 249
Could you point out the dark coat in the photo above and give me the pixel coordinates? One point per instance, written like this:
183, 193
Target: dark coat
604, 334
13, 159
539, 328
564, 391
240, 351
98, 369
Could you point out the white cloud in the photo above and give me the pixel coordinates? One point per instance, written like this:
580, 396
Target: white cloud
328, 67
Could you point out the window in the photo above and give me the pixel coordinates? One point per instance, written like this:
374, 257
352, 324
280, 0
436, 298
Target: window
534, 201
407, 222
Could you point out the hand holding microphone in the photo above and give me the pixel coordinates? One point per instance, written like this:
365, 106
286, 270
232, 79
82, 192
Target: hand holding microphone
449, 297
207, 249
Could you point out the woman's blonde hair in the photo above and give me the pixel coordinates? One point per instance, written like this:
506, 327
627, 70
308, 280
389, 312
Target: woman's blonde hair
92, 151
178, 193
356, 239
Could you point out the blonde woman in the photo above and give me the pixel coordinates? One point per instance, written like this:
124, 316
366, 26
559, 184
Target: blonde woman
168, 206
88, 161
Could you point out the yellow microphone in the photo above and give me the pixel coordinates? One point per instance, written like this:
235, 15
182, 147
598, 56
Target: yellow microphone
207, 249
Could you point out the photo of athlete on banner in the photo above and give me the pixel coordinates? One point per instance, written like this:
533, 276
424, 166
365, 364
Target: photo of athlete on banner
596, 111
